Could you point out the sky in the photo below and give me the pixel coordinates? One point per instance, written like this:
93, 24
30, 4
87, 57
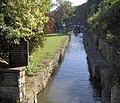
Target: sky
75, 2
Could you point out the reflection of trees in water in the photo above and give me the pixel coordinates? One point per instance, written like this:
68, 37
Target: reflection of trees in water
96, 85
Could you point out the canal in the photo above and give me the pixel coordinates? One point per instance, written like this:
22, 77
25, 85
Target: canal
72, 82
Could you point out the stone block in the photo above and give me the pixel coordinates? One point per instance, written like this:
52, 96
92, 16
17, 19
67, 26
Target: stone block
9, 92
115, 94
101, 43
106, 95
117, 59
110, 53
106, 76
12, 83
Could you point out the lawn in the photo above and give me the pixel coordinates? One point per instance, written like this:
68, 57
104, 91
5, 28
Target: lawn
52, 45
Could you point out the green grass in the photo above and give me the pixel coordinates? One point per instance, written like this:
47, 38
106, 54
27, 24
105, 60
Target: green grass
41, 56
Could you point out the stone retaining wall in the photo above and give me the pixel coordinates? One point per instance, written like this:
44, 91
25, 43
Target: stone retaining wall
100, 59
12, 84
111, 55
115, 94
37, 83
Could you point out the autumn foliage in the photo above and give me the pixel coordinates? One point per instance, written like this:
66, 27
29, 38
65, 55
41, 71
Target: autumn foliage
50, 25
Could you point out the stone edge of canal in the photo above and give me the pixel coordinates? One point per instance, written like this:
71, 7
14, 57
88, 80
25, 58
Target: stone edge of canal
38, 83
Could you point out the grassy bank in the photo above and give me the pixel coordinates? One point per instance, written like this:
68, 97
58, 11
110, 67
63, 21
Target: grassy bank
41, 56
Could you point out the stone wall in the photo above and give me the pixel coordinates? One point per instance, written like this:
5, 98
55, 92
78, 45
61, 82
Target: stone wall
37, 83
115, 94
100, 59
111, 55
16, 87
12, 84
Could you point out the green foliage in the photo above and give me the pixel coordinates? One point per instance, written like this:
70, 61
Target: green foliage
64, 11
116, 78
110, 38
82, 12
22, 18
106, 21
34, 63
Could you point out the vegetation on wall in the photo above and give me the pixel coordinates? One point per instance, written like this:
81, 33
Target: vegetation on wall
106, 21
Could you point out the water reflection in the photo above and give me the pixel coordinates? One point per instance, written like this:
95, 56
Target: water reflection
72, 83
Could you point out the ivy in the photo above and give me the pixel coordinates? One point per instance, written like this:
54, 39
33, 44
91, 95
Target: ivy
107, 20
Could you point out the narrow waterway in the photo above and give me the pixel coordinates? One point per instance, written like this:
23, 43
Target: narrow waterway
72, 82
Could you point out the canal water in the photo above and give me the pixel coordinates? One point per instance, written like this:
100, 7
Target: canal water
72, 82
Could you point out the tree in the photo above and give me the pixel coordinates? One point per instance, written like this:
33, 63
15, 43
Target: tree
50, 25
23, 19
63, 12
106, 21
